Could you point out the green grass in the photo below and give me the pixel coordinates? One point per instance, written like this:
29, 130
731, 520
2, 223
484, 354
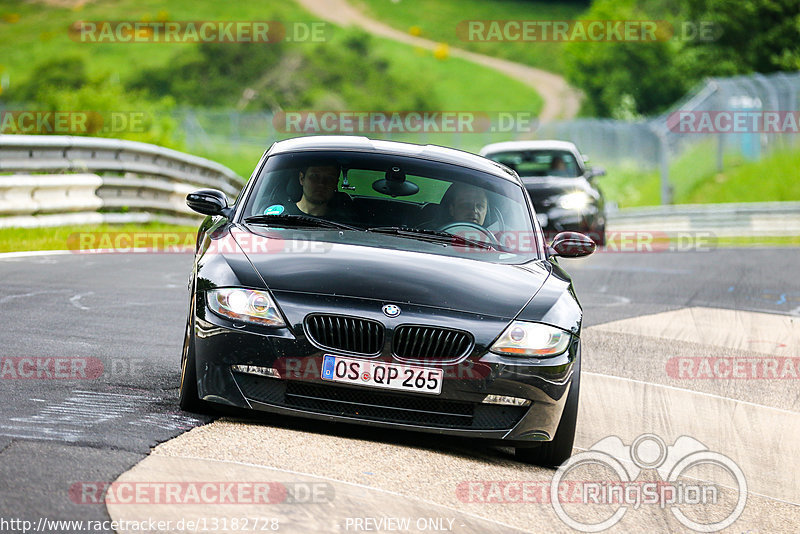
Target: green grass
68, 237
33, 33
630, 186
758, 241
695, 179
439, 21
241, 158
460, 84
774, 178
40, 34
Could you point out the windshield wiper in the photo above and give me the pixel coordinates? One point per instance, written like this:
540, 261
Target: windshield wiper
297, 221
431, 235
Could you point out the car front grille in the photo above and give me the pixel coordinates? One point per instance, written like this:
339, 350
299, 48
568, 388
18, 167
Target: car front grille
377, 405
351, 334
430, 343
363, 403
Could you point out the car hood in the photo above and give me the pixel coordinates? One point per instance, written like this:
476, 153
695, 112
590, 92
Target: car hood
391, 275
545, 186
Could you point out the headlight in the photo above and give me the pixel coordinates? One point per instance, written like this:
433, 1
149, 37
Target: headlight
574, 201
531, 339
247, 305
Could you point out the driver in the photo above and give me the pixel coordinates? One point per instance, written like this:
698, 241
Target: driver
558, 167
467, 203
319, 184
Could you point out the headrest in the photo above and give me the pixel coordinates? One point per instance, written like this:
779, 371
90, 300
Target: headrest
293, 188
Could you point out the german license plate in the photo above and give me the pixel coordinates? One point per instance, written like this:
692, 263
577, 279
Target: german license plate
382, 374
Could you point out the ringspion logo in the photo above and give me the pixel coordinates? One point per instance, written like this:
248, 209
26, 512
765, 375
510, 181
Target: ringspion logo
679, 489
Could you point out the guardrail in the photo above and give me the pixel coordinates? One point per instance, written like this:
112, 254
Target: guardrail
62, 180
733, 219
139, 182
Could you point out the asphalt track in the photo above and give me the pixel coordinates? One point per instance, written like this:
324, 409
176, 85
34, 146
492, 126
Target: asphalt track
124, 313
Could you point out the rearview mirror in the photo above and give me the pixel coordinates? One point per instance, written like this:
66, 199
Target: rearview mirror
395, 184
572, 245
208, 202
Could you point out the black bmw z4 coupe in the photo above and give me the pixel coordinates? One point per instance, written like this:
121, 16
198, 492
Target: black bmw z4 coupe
386, 284
560, 184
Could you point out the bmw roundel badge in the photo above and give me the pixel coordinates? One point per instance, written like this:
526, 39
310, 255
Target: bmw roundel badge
390, 310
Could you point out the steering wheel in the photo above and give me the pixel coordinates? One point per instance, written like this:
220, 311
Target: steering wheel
449, 227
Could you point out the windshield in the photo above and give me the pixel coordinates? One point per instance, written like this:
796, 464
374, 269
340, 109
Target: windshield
393, 201
539, 162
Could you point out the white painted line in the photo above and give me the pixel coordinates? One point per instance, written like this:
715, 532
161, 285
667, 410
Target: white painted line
425, 503
749, 491
8, 298
761, 440
734, 329
692, 391
75, 301
30, 253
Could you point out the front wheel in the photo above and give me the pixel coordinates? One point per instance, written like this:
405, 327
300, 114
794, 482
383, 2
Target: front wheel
188, 398
555, 452
600, 236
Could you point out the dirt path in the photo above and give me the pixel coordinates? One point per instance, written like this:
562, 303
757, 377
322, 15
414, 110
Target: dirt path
560, 100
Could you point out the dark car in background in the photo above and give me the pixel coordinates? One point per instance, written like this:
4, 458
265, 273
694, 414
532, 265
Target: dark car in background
424, 298
559, 183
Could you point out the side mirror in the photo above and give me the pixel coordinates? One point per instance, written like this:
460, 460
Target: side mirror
594, 172
572, 245
208, 202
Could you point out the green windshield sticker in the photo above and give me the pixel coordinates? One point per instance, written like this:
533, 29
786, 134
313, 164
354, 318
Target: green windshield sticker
275, 209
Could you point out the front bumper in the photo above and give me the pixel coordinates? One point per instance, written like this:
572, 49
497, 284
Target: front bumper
588, 221
458, 410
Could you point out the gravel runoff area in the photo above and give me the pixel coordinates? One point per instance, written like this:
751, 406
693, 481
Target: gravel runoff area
392, 476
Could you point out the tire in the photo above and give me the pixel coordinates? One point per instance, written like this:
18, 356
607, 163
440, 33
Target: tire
188, 398
601, 237
555, 452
